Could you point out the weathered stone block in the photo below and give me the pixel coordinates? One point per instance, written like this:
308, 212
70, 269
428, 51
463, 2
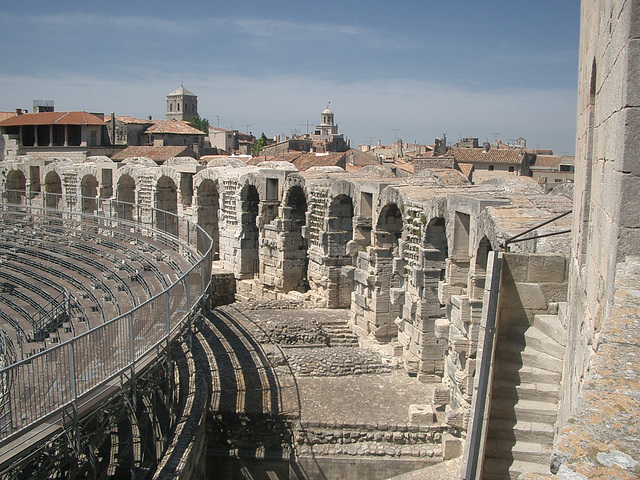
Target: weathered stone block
421, 414
515, 267
442, 328
441, 395
546, 269
451, 446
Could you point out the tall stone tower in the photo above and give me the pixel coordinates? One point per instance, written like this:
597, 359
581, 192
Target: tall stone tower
181, 105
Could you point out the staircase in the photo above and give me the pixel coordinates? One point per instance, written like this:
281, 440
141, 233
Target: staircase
524, 400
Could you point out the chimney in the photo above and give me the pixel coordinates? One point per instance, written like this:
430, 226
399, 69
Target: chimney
18, 111
485, 147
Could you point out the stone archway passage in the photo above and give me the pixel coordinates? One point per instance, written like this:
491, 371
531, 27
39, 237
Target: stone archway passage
208, 207
53, 190
126, 195
250, 262
16, 186
167, 204
295, 246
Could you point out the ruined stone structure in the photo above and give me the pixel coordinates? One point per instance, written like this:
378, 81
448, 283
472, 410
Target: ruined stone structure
412, 264
407, 258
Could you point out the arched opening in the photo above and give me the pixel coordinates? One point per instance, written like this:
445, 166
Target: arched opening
53, 190
389, 228
478, 275
250, 262
295, 254
340, 226
208, 207
435, 251
339, 233
387, 242
166, 203
16, 186
460, 259
89, 192
126, 197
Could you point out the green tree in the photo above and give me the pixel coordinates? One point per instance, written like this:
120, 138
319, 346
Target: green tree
260, 143
200, 123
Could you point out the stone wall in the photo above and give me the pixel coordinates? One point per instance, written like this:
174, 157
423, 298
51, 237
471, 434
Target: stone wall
606, 213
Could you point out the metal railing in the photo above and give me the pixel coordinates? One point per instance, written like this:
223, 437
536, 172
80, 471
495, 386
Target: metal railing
48, 388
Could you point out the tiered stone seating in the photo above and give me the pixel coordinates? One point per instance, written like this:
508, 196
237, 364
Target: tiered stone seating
107, 271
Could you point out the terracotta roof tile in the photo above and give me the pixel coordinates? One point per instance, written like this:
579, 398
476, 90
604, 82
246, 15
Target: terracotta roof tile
494, 155
173, 126
547, 162
53, 118
466, 169
5, 115
131, 120
307, 160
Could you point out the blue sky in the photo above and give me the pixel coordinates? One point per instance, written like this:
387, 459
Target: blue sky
411, 69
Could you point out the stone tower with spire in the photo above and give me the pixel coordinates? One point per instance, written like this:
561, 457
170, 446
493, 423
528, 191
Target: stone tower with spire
181, 105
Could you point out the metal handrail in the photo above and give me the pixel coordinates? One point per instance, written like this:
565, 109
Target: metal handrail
516, 238
41, 390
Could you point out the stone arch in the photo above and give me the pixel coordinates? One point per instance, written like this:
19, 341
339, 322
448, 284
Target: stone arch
89, 192
479, 273
383, 265
389, 227
459, 260
125, 196
295, 245
166, 203
53, 189
208, 208
250, 234
435, 250
340, 225
16, 186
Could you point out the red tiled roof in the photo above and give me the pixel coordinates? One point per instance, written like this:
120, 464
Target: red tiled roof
159, 154
125, 119
304, 160
173, 126
547, 162
466, 169
494, 155
53, 118
5, 115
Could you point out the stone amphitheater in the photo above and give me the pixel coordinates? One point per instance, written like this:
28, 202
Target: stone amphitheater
231, 321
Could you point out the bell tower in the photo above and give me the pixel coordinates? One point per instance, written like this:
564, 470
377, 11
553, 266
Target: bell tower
181, 105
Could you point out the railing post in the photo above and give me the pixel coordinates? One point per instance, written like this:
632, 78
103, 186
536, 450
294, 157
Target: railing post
476, 436
167, 312
72, 372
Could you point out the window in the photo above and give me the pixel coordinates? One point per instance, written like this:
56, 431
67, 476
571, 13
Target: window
512, 169
171, 107
178, 107
491, 168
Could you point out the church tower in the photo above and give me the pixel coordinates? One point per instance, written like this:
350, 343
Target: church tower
181, 105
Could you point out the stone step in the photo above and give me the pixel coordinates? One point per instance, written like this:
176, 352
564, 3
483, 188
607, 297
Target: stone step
498, 469
518, 373
550, 325
534, 338
530, 452
527, 355
512, 430
543, 392
524, 410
